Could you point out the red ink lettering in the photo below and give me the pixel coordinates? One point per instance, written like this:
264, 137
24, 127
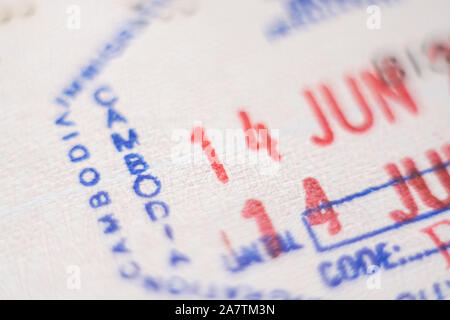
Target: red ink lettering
321, 119
397, 91
337, 111
257, 136
417, 182
199, 136
405, 195
315, 197
255, 209
439, 243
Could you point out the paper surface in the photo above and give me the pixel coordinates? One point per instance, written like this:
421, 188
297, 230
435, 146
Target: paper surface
322, 172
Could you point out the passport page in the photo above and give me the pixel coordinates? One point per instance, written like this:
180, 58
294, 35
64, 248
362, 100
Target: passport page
258, 149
